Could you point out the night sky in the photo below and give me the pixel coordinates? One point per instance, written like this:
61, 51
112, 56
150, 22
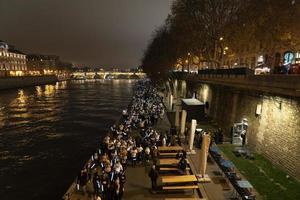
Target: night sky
91, 32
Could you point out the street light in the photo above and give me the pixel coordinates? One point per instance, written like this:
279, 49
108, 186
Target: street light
188, 61
221, 38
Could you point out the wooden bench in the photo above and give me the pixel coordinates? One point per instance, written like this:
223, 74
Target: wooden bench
171, 169
179, 179
170, 148
170, 161
185, 198
167, 154
183, 187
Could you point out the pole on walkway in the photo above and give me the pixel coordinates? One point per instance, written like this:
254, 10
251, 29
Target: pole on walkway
182, 125
167, 100
171, 102
177, 114
175, 85
192, 135
203, 158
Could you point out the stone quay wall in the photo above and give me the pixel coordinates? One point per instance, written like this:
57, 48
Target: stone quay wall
25, 81
275, 132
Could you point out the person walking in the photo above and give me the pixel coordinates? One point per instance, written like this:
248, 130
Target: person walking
182, 165
97, 184
154, 154
122, 178
153, 174
117, 190
82, 180
147, 154
134, 156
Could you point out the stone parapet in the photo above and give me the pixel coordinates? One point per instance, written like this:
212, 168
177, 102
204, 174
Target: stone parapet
25, 81
287, 85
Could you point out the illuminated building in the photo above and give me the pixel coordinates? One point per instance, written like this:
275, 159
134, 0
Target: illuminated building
42, 64
39, 64
260, 56
12, 61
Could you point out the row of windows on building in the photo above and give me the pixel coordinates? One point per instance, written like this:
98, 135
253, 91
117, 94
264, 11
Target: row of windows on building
14, 62
274, 60
13, 67
12, 55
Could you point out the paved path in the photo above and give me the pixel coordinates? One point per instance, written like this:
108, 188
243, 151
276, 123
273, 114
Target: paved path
215, 189
138, 184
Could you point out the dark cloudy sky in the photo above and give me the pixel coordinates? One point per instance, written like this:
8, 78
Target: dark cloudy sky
92, 32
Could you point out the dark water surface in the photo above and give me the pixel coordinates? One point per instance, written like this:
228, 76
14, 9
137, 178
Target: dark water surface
48, 132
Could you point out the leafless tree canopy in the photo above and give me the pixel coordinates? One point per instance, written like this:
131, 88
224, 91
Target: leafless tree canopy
197, 26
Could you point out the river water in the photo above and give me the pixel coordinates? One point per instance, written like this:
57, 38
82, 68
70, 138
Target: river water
48, 132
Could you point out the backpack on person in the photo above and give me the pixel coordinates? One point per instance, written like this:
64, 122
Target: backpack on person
182, 164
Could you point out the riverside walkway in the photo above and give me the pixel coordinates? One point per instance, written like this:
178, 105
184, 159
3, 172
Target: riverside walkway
138, 183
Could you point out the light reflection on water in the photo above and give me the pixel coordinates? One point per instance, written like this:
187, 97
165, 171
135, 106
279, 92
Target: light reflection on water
47, 133
1, 116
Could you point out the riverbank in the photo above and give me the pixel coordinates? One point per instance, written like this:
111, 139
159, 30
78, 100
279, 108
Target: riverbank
139, 135
26, 81
138, 184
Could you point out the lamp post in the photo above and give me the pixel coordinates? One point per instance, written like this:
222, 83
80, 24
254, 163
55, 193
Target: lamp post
217, 43
222, 51
189, 61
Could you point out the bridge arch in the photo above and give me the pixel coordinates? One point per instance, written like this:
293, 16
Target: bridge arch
106, 75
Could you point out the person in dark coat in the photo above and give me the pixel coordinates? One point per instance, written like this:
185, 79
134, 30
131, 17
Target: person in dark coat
82, 180
117, 189
105, 183
182, 165
153, 174
97, 184
122, 178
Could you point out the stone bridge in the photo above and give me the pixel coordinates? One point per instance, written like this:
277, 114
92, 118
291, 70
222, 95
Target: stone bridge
108, 75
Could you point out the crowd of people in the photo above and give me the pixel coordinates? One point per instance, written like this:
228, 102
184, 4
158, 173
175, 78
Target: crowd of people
133, 140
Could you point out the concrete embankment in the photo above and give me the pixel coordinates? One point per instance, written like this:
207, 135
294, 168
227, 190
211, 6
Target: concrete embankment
273, 116
25, 81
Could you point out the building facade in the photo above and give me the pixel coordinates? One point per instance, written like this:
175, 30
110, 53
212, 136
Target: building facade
39, 64
260, 57
12, 61
42, 64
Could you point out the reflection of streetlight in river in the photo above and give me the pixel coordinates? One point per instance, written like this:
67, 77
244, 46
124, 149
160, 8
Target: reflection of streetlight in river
22, 97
